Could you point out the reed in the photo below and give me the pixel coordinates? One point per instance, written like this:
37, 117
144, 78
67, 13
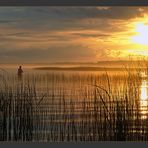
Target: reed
73, 107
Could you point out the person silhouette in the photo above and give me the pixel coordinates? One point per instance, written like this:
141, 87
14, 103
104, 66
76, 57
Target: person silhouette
20, 72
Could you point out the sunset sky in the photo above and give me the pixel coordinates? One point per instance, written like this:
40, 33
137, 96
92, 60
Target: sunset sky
72, 34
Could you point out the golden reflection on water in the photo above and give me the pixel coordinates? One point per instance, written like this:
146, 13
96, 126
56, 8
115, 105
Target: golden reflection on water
144, 99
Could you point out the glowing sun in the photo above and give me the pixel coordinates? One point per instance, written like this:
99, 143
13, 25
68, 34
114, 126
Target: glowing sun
142, 34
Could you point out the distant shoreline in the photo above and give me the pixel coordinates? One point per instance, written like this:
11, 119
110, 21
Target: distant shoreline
69, 63
83, 68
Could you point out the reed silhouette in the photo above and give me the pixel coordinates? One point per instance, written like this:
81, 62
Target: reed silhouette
72, 107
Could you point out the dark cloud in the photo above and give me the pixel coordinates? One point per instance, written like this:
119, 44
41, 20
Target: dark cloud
21, 13
98, 35
31, 37
50, 17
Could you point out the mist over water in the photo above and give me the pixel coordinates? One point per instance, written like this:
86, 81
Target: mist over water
118, 65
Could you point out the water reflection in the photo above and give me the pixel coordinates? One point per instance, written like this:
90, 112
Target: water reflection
144, 98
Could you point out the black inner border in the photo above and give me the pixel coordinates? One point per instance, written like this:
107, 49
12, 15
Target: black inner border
73, 2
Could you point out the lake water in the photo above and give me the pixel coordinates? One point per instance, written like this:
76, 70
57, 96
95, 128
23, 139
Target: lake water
82, 105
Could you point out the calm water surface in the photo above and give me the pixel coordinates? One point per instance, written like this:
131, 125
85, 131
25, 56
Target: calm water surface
67, 97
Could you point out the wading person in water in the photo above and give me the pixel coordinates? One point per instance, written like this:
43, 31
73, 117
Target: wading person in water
20, 73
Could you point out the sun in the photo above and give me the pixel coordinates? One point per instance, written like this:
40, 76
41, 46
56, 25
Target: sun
142, 34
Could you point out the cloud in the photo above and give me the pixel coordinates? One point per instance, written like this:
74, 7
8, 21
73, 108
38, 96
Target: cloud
56, 53
63, 33
50, 17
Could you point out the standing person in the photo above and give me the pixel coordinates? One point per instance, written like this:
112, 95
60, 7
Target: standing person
20, 72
